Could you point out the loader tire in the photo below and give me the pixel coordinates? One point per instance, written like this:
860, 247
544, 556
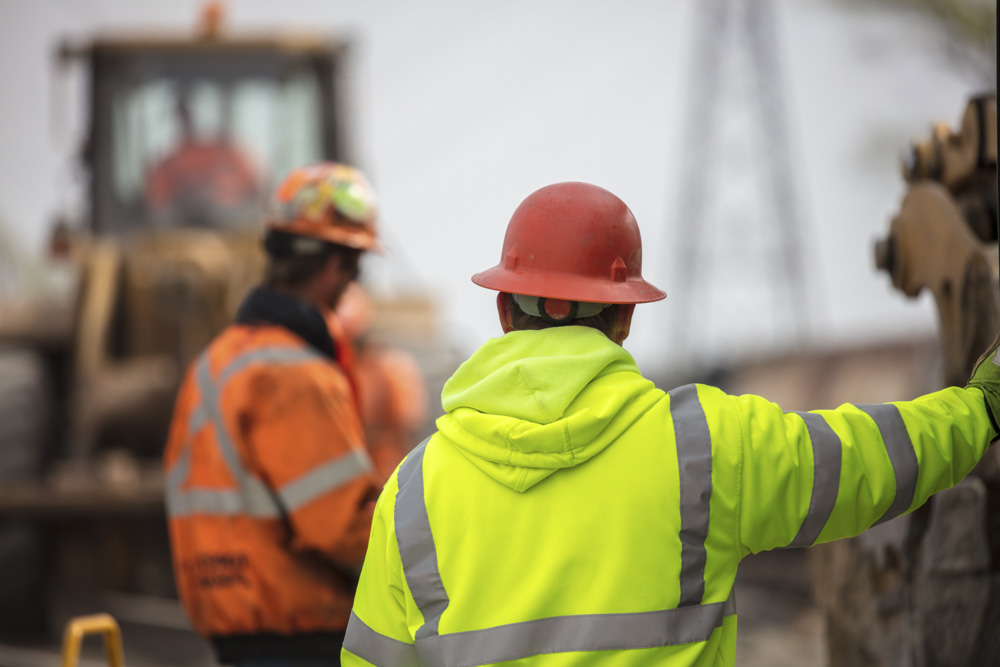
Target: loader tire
25, 408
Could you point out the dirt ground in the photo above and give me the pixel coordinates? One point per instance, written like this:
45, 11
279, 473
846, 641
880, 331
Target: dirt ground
778, 624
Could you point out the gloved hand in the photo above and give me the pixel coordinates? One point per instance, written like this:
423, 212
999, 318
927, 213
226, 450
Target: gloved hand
986, 377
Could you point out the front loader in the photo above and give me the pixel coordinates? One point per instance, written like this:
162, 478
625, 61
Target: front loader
156, 268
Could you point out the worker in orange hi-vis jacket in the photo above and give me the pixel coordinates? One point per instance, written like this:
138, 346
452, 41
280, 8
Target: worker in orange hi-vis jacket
391, 387
201, 178
270, 489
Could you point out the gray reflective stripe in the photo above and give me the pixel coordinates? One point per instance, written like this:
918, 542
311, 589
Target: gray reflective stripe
827, 461
203, 501
416, 543
558, 634
694, 462
570, 634
211, 395
901, 455
326, 477
174, 482
197, 420
253, 497
376, 648
272, 356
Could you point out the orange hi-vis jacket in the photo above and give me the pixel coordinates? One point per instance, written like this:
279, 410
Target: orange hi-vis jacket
269, 493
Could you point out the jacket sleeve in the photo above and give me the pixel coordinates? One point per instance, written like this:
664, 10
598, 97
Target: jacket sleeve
306, 442
378, 632
813, 477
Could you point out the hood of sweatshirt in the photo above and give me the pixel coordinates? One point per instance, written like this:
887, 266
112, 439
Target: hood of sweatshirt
530, 403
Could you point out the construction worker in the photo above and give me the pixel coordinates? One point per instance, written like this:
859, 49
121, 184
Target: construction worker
270, 490
568, 512
392, 391
202, 180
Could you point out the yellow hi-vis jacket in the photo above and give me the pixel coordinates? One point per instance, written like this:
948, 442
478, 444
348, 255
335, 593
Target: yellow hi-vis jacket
568, 512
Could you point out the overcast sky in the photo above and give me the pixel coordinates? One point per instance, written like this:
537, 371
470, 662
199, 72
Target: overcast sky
461, 109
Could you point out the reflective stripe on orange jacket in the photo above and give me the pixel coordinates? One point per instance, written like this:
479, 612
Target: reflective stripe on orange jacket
269, 487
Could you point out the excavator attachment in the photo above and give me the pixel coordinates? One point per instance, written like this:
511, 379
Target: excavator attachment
924, 588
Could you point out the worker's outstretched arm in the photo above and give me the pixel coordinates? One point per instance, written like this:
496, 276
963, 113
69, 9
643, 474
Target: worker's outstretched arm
378, 633
813, 477
309, 447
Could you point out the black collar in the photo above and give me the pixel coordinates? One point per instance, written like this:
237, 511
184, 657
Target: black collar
266, 306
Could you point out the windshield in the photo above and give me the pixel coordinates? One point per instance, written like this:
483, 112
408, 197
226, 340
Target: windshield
204, 146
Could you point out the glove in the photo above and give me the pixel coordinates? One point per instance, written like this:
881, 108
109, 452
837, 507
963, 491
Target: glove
986, 378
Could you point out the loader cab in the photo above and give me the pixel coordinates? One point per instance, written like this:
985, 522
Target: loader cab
197, 132
186, 137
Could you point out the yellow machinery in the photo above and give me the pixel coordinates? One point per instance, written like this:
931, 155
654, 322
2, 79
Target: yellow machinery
944, 237
186, 136
103, 624
924, 589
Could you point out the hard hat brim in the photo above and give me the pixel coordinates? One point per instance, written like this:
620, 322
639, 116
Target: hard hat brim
553, 285
360, 239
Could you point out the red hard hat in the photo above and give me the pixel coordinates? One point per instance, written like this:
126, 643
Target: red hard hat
572, 241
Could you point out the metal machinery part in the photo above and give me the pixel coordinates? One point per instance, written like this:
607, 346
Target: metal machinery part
924, 589
96, 624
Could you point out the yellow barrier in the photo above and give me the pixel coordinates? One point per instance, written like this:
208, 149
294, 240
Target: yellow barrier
81, 626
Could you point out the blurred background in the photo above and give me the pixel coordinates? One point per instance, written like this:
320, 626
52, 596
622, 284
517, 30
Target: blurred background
459, 111
758, 144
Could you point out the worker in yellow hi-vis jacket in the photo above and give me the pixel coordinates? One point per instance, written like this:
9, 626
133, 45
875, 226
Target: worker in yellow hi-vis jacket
568, 512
